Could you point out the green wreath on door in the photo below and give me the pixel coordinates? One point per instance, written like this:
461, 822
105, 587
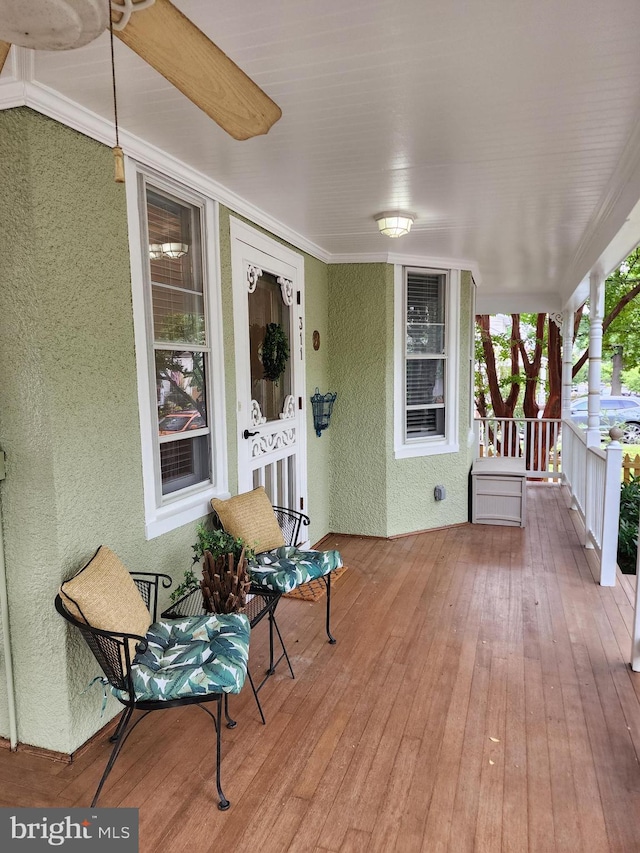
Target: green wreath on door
275, 352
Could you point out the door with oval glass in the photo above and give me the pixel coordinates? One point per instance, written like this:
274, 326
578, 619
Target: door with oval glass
268, 304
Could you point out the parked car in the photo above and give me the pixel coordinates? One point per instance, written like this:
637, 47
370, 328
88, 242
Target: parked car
614, 411
180, 422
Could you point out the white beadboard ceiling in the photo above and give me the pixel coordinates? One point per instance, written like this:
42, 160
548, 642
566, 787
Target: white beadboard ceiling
510, 127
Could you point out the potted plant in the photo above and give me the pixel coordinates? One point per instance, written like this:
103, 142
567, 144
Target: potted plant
225, 581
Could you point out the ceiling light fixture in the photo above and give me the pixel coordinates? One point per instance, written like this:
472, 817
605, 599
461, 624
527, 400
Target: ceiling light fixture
174, 250
395, 223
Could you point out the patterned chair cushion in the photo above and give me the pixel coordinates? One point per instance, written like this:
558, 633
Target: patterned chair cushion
192, 656
286, 568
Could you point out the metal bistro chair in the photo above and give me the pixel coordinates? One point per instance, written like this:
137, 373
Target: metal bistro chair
190, 661
281, 566
259, 604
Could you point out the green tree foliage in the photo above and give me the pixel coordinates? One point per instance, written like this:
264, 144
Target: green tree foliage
631, 379
182, 369
509, 363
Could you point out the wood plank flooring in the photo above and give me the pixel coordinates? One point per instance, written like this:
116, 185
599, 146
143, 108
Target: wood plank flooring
478, 699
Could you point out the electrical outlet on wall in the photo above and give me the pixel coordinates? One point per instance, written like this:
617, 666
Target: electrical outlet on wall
439, 493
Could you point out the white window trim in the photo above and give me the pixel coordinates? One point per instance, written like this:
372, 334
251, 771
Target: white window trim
175, 510
448, 443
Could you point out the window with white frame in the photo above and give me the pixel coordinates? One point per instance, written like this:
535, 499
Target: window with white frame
426, 361
176, 307
179, 341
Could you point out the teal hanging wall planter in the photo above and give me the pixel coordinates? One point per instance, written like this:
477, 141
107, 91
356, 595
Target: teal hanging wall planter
322, 407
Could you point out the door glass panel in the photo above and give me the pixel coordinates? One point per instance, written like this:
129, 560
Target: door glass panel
267, 306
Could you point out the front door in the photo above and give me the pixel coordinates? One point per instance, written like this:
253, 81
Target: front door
268, 301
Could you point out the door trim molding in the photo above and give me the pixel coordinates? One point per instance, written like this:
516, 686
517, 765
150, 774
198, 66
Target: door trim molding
243, 235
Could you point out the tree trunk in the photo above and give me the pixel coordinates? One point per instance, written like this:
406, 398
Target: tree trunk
616, 375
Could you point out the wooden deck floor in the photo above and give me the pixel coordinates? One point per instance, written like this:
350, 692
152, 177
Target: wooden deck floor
479, 699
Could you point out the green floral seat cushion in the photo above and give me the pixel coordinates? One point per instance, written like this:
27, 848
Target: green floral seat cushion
286, 568
192, 656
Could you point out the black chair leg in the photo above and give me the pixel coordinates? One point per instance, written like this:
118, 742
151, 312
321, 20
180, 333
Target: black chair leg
271, 669
116, 735
327, 580
114, 752
284, 650
224, 803
255, 694
231, 724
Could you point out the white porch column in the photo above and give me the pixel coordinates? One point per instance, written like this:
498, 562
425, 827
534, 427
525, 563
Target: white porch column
568, 475
567, 362
635, 648
596, 315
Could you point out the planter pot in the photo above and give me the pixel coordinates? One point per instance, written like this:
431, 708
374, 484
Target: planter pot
225, 583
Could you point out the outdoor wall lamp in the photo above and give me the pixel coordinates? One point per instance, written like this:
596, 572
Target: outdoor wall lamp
322, 407
395, 223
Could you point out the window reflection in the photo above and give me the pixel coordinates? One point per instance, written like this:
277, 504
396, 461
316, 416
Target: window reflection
180, 390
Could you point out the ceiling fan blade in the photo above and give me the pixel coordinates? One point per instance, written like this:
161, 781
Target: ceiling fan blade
175, 47
5, 47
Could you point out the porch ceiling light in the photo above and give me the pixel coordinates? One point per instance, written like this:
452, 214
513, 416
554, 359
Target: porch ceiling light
395, 223
155, 251
174, 250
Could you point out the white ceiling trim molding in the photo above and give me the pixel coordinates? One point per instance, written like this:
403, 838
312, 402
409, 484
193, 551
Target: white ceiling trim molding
17, 71
518, 303
50, 103
56, 106
607, 239
12, 94
409, 261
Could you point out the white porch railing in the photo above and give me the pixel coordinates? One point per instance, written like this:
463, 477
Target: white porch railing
574, 465
593, 477
591, 473
536, 440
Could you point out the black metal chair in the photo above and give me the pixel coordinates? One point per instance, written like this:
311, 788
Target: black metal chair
291, 523
113, 651
259, 604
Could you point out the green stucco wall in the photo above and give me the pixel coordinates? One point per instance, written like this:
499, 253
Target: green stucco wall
410, 482
360, 301
69, 410
69, 420
372, 492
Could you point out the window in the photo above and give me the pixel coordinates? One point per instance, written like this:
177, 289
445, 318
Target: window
178, 346
426, 361
180, 341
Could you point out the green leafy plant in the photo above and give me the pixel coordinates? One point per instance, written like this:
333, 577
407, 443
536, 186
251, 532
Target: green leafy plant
275, 352
628, 525
189, 582
219, 544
